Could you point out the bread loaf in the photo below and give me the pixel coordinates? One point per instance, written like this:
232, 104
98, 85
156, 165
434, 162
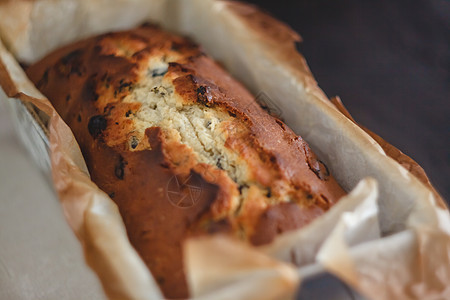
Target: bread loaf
181, 147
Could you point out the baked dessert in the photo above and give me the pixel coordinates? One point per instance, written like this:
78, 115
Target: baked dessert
181, 147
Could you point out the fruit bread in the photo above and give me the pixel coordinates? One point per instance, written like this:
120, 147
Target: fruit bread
181, 147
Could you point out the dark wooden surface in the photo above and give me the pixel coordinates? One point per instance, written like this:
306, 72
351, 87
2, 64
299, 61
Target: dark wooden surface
389, 61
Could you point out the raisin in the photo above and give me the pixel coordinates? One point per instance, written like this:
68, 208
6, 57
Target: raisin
119, 170
201, 90
71, 64
68, 58
158, 72
202, 95
134, 142
123, 85
90, 89
219, 164
232, 114
96, 125
241, 187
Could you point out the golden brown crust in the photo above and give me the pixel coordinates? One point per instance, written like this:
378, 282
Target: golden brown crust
89, 82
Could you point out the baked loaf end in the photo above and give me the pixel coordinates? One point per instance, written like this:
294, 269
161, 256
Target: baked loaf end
180, 146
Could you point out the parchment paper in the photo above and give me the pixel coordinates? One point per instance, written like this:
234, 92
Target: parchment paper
389, 238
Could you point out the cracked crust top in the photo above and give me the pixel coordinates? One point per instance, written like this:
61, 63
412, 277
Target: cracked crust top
180, 146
